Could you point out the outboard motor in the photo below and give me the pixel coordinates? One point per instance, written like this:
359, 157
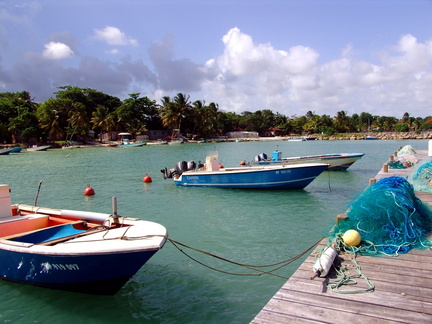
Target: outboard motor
191, 165
181, 167
168, 174
260, 157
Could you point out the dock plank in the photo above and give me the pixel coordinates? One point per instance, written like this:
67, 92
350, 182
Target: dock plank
403, 286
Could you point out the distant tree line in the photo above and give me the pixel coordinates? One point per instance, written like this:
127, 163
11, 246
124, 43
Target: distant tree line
75, 111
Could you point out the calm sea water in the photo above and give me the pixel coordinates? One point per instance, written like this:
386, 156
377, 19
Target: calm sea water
247, 226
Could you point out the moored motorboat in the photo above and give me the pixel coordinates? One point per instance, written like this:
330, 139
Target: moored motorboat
175, 141
336, 161
127, 143
158, 143
73, 250
296, 140
36, 148
295, 176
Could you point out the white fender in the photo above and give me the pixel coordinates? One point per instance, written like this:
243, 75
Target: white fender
322, 266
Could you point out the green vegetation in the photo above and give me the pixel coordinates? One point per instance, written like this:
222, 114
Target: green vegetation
75, 111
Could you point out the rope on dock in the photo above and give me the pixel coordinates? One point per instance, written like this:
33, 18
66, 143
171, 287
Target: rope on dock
344, 276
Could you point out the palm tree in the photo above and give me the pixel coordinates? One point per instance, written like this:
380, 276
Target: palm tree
174, 111
197, 111
168, 113
211, 118
49, 118
103, 119
183, 106
78, 119
342, 122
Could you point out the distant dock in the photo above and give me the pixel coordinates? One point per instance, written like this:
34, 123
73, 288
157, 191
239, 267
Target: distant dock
403, 287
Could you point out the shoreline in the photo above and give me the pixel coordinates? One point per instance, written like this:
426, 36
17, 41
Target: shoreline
425, 135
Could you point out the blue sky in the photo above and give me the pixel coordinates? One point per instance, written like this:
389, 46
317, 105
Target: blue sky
245, 55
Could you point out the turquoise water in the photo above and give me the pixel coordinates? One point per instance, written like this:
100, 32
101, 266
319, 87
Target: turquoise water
247, 226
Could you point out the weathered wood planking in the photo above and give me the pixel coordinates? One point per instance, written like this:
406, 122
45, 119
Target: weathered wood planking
403, 287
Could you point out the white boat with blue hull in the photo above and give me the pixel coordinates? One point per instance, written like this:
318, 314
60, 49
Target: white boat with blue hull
127, 143
336, 161
73, 250
211, 174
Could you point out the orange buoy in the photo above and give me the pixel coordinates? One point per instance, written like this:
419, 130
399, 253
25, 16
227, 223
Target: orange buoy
89, 191
147, 178
243, 162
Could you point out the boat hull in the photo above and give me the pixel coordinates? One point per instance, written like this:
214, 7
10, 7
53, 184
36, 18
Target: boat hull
269, 177
38, 148
5, 151
133, 145
94, 274
338, 161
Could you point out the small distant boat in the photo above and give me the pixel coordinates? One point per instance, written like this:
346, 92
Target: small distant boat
158, 143
295, 176
36, 148
73, 250
5, 151
336, 161
370, 138
127, 143
296, 139
175, 141
17, 149
111, 145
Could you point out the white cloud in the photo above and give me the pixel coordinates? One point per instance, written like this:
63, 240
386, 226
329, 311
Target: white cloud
246, 75
57, 51
113, 36
251, 76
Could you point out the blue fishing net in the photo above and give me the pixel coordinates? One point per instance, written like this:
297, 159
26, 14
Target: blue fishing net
422, 178
389, 217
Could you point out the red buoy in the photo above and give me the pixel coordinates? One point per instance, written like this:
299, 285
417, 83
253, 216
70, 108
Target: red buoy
147, 178
221, 166
89, 191
243, 162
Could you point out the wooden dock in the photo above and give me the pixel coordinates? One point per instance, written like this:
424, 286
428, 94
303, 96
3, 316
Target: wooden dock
402, 294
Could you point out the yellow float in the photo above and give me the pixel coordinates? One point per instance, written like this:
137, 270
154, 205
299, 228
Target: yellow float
351, 237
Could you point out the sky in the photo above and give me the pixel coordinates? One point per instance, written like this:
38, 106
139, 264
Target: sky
287, 56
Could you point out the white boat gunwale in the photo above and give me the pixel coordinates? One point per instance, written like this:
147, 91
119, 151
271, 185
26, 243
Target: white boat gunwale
109, 241
253, 168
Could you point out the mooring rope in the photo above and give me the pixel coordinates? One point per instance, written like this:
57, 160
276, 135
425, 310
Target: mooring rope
276, 266
279, 265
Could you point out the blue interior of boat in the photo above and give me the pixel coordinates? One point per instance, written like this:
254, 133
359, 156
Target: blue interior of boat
48, 234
